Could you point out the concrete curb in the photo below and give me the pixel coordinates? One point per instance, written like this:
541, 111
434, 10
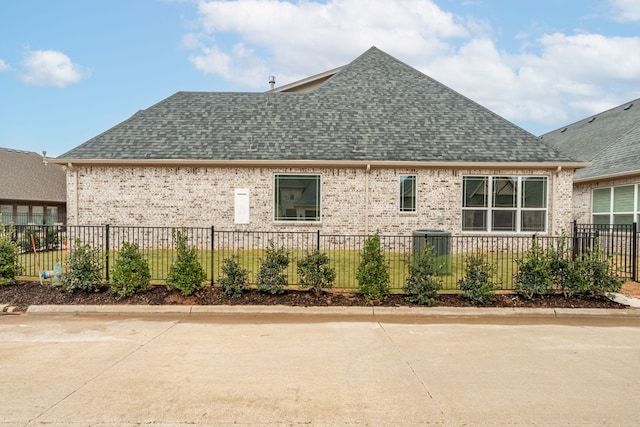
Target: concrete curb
331, 311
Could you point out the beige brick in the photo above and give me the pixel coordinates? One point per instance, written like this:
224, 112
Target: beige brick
204, 197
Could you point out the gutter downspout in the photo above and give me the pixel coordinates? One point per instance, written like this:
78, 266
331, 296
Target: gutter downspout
554, 182
75, 186
366, 199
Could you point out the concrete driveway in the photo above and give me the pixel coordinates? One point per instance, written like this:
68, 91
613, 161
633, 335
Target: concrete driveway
278, 369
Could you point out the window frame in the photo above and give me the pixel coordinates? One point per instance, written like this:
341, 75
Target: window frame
489, 210
611, 213
278, 178
402, 190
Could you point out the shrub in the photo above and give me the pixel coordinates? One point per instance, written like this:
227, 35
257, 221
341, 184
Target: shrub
186, 273
10, 266
315, 272
24, 242
476, 285
421, 285
236, 279
373, 273
51, 238
271, 276
592, 275
130, 272
85, 270
534, 277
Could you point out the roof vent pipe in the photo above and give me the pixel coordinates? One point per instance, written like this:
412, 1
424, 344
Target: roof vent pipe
272, 82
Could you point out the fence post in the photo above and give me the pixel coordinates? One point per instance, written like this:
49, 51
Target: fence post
318, 240
106, 256
574, 238
212, 248
634, 252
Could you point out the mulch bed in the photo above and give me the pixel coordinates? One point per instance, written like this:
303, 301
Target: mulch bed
23, 294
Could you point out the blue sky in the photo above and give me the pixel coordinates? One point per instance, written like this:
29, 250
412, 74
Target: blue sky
71, 69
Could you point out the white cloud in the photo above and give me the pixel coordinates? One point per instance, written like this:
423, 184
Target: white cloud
309, 37
3, 65
553, 80
626, 10
50, 68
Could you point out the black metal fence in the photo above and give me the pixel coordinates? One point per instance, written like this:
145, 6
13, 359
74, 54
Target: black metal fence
52, 245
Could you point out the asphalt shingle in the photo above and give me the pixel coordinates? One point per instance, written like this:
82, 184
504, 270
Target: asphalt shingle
609, 140
374, 109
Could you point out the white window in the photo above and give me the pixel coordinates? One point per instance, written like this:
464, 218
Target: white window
52, 214
616, 205
408, 193
23, 215
504, 203
297, 198
6, 211
37, 214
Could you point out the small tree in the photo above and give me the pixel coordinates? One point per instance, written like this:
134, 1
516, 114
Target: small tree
271, 276
535, 277
236, 279
85, 269
476, 285
422, 284
186, 273
130, 272
592, 275
373, 273
10, 266
315, 272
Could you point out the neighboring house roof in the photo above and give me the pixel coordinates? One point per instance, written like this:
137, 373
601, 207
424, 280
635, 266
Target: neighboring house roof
609, 140
375, 109
25, 177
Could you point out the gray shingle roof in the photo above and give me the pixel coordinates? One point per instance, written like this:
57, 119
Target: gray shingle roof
374, 109
25, 177
610, 140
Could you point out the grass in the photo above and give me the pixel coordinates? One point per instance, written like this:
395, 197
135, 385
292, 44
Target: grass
345, 263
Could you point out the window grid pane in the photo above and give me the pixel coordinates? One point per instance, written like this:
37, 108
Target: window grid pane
475, 192
297, 197
505, 190
602, 200
623, 199
534, 191
407, 193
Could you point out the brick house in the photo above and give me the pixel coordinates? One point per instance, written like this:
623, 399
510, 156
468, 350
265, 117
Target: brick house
32, 190
608, 191
374, 144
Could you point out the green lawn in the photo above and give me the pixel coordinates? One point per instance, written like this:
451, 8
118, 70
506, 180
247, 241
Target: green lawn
345, 262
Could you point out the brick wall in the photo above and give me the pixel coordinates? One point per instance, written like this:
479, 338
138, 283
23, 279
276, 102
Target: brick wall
204, 196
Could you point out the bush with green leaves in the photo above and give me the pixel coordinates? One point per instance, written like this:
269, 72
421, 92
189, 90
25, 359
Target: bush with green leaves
186, 273
51, 238
476, 285
10, 266
85, 269
422, 284
130, 272
373, 272
534, 278
271, 275
25, 243
592, 275
315, 273
236, 278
